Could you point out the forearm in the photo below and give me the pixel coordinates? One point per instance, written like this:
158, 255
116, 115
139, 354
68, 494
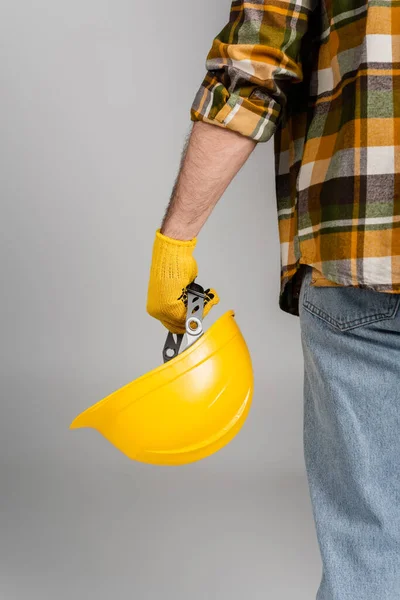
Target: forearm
211, 159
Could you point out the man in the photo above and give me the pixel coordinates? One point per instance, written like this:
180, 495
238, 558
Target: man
323, 78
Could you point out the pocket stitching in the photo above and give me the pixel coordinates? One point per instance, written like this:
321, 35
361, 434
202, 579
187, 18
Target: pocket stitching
372, 318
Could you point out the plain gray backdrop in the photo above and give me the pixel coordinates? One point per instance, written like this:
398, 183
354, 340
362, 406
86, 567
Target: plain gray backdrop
95, 102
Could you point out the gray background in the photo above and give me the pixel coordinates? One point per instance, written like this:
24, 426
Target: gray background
95, 99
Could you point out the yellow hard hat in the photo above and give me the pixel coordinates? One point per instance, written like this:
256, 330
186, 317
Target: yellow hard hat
190, 406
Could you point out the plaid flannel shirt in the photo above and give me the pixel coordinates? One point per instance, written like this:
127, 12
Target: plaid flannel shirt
323, 78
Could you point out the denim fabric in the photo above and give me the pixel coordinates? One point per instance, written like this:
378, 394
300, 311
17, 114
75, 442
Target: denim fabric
351, 345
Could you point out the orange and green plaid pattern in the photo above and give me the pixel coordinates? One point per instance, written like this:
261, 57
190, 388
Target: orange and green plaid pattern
323, 78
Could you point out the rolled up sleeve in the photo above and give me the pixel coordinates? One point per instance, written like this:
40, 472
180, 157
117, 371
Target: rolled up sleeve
250, 64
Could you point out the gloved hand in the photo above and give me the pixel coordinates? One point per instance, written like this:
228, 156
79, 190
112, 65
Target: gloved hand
173, 268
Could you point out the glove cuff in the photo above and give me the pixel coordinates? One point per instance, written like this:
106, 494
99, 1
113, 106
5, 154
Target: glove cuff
164, 239
172, 259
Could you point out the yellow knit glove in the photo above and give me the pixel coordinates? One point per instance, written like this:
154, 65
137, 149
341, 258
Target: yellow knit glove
173, 268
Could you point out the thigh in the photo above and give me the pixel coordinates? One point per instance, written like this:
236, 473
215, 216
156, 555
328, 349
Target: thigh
351, 347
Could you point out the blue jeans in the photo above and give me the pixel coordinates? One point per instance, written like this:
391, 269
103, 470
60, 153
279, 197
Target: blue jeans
351, 346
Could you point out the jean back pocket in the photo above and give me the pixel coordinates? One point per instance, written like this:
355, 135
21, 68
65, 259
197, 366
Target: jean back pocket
346, 307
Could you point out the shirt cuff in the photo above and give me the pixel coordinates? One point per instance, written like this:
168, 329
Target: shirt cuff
250, 111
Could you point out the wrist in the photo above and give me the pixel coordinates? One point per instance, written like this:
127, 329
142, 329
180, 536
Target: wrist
179, 231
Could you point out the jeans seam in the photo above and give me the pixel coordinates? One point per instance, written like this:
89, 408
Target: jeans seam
311, 308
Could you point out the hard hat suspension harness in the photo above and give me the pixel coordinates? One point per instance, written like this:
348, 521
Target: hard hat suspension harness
193, 324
